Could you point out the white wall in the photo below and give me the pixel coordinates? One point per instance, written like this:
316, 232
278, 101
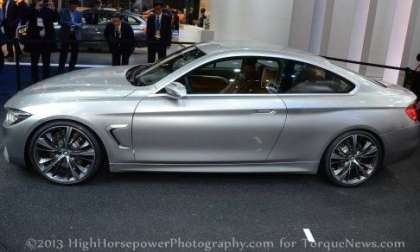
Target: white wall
398, 39
263, 20
380, 36
341, 28
364, 18
336, 28
300, 30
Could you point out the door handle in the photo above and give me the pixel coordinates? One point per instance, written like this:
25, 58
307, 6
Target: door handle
265, 111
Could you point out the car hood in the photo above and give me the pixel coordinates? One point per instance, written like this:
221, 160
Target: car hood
106, 80
97, 83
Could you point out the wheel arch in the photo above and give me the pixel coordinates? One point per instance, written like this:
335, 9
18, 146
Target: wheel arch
366, 129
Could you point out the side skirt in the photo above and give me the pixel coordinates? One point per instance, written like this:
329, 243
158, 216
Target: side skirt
283, 167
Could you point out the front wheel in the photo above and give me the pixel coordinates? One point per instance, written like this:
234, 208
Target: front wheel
65, 152
353, 158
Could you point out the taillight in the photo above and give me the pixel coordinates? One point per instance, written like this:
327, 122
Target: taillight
411, 112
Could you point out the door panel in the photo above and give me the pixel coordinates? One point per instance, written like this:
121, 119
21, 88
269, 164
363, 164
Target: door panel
198, 129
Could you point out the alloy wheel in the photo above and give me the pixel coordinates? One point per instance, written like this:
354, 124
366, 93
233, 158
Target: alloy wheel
354, 159
64, 154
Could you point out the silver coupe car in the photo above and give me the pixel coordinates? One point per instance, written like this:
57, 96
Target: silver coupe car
214, 107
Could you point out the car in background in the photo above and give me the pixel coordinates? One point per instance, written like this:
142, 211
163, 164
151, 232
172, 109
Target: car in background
95, 23
94, 27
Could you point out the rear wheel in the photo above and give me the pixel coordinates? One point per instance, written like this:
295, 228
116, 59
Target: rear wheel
353, 158
65, 152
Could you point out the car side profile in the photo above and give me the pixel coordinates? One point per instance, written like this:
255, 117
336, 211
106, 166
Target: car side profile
213, 107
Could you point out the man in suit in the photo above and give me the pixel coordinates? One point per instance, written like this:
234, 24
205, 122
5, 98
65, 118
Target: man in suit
416, 86
418, 59
121, 41
41, 36
11, 20
159, 33
202, 18
22, 12
71, 24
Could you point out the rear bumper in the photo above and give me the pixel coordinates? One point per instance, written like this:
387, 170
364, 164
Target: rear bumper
401, 144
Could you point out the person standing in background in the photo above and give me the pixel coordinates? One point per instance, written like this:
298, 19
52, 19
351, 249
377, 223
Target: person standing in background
175, 20
41, 36
10, 24
2, 37
418, 59
190, 16
71, 23
159, 33
416, 88
121, 41
203, 18
167, 10
22, 12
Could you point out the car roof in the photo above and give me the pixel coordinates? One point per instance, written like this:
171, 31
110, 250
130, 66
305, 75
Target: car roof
221, 47
111, 11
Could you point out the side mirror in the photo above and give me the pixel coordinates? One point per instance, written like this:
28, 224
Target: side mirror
176, 90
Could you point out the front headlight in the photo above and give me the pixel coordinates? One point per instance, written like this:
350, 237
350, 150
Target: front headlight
14, 116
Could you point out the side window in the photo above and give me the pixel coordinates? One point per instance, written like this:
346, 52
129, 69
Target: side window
104, 18
132, 21
302, 78
88, 17
243, 75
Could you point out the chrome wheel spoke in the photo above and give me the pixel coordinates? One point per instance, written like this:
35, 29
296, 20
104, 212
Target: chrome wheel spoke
371, 151
339, 157
344, 172
72, 168
46, 145
53, 164
67, 136
86, 153
78, 167
362, 168
354, 142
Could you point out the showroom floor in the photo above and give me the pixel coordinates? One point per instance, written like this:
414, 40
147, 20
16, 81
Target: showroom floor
154, 207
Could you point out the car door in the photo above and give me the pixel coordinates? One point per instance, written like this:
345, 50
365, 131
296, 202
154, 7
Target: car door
211, 126
139, 28
89, 30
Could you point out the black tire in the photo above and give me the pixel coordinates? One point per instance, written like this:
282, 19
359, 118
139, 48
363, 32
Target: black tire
81, 131
328, 164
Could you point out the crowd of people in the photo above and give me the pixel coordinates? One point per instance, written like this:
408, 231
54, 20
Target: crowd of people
41, 39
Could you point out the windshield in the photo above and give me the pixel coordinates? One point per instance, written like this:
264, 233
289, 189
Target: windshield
163, 68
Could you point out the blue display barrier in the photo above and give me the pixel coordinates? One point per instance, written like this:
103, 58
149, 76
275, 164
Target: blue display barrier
8, 83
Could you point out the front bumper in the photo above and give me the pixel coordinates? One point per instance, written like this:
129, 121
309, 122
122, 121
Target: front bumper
401, 144
14, 141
